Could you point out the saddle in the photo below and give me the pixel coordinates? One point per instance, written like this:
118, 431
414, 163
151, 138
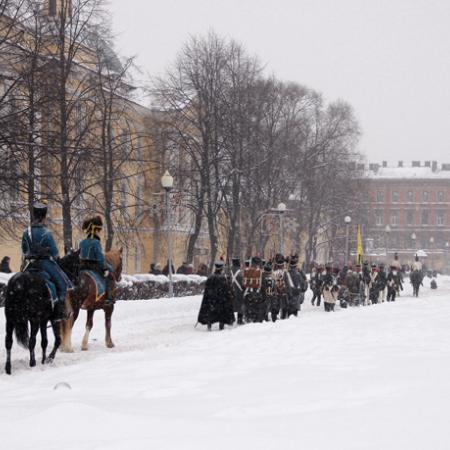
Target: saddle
99, 283
32, 268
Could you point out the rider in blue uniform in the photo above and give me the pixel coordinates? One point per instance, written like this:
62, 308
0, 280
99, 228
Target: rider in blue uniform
40, 253
91, 254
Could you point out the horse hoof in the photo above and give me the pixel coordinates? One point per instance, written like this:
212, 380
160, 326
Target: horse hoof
49, 361
84, 348
67, 350
32, 363
109, 345
8, 369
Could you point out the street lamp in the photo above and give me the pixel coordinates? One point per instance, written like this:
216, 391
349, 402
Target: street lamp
280, 210
387, 230
347, 220
167, 184
414, 237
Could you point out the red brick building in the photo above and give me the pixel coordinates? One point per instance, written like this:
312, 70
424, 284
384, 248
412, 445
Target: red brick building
409, 211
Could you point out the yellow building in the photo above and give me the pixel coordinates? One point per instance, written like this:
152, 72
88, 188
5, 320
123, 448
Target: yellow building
140, 226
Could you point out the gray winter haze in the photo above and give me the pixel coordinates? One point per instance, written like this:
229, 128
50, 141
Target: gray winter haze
390, 59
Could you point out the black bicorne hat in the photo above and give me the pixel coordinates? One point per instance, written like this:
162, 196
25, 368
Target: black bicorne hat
293, 260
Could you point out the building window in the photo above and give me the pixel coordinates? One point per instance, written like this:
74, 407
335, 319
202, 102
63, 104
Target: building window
380, 196
394, 196
440, 218
378, 217
394, 218
441, 196
410, 196
425, 217
409, 217
425, 196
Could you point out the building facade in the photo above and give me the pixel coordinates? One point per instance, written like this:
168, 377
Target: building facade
409, 212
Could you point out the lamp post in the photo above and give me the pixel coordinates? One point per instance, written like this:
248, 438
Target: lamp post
281, 208
413, 238
347, 220
447, 247
167, 184
387, 229
431, 251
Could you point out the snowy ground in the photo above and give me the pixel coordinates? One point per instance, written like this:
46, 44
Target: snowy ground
365, 378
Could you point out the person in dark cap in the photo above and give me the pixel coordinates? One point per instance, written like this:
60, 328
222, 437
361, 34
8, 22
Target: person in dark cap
252, 291
267, 288
316, 281
92, 256
296, 285
4, 265
237, 283
217, 302
39, 252
279, 303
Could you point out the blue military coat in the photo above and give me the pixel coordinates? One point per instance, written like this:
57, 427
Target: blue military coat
91, 250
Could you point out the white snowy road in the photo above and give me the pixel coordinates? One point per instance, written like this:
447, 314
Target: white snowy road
364, 378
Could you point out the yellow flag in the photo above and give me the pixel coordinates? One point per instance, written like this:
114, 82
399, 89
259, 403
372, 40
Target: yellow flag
359, 247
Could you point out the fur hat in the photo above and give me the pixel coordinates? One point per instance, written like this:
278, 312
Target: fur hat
92, 224
268, 266
219, 264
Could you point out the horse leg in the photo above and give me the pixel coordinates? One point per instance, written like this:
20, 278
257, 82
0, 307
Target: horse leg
8, 345
57, 333
44, 340
89, 325
108, 313
66, 334
33, 332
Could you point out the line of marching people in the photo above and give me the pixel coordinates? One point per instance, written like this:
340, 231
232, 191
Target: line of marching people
268, 290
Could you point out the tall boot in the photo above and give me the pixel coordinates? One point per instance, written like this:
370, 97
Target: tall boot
58, 311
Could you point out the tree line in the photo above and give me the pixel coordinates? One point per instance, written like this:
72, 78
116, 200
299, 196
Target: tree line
239, 142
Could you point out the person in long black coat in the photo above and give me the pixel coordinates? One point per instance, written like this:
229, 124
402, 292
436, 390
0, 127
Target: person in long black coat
217, 303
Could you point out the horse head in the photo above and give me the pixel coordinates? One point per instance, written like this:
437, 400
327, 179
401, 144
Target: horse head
70, 263
114, 257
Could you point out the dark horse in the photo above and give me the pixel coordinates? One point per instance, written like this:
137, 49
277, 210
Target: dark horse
85, 297
416, 278
28, 301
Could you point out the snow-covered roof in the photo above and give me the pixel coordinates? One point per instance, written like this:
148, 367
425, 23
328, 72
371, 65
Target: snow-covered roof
425, 173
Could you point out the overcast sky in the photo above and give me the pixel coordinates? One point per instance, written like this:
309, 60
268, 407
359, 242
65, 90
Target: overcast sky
389, 58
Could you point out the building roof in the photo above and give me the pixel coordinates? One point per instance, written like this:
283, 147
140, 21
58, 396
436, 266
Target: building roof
419, 173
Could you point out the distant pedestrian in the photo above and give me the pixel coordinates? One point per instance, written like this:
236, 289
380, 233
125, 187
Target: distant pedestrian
155, 269
4, 265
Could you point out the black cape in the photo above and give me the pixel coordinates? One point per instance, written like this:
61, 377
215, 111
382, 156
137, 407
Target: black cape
217, 303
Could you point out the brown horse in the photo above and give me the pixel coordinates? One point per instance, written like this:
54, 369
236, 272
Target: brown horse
85, 297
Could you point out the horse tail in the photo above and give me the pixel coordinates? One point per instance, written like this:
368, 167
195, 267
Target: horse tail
16, 309
21, 331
